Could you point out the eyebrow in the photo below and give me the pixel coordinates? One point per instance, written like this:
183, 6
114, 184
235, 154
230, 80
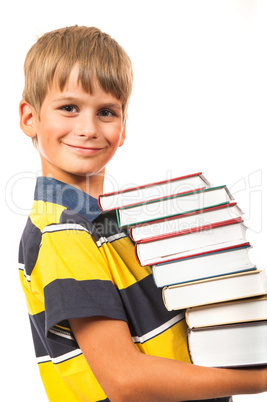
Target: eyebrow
73, 99
65, 99
116, 105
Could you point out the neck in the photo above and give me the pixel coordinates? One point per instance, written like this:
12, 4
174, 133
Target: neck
92, 185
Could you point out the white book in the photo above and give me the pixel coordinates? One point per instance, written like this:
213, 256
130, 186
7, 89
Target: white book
221, 262
199, 240
243, 310
180, 222
215, 290
173, 205
129, 196
229, 346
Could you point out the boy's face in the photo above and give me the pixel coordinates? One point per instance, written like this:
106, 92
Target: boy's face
78, 133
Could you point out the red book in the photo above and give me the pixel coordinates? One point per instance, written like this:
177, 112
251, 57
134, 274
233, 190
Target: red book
182, 203
188, 220
160, 189
191, 242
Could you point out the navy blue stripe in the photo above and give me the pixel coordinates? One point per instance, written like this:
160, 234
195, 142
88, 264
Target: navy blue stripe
106, 225
144, 307
68, 298
29, 246
53, 346
57, 192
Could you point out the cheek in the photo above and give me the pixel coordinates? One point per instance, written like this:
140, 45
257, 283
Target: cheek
53, 131
115, 137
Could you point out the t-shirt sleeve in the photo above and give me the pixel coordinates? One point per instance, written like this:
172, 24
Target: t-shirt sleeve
76, 278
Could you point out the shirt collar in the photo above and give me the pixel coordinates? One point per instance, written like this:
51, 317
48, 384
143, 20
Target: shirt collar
57, 192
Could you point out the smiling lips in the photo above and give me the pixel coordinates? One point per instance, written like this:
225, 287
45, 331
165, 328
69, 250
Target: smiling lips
84, 150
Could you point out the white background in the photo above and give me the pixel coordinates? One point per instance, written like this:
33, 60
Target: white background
199, 104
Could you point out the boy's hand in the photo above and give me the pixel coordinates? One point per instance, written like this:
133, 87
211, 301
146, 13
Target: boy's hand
126, 374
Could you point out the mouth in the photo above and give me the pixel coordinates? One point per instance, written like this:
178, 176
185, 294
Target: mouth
84, 150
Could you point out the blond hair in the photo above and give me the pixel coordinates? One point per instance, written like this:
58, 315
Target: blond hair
98, 55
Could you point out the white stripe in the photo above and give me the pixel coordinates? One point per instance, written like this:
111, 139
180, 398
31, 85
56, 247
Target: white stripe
59, 359
62, 333
22, 268
67, 356
64, 226
159, 330
43, 359
103, 240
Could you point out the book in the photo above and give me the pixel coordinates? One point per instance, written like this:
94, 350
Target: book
188, 220
191, 242
229, 346
242, 310
194, 237
173, 205
129, 196
215, 290
221, 262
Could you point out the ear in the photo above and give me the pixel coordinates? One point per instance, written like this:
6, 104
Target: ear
123, 135
28, 118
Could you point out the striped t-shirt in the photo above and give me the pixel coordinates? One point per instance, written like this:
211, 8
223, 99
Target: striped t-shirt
75, 262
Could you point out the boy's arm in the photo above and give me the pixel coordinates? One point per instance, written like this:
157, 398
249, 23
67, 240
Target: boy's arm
125, 374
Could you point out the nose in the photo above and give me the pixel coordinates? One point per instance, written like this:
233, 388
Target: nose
86, 126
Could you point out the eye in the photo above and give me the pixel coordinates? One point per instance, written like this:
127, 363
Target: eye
106, 113
69, 108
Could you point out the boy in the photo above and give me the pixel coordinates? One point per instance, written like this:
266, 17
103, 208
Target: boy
99, 326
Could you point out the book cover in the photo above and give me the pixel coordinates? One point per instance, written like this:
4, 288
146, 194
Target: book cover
184, 221
215, 290
191, 242
137, 194
173, 205
202, 266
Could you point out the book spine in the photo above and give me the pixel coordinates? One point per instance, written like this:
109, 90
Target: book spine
118, 217
137, 254
99, 203
131, 234
164, 298
154, 276
188, 332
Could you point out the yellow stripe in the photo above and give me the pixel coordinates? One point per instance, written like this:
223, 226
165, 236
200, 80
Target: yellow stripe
45, 213
70, 254
123, 264
70, 381
34, 295
75, 254
170, 344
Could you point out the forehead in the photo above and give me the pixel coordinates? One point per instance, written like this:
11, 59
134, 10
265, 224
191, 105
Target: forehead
73, 91
74, 83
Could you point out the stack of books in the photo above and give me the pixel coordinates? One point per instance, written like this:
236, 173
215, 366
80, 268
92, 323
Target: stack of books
194, 238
